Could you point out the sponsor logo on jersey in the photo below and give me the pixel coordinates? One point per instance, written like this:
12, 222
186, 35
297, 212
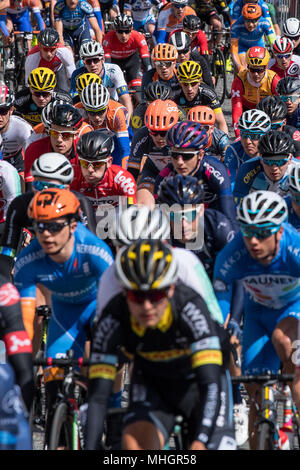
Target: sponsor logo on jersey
126, 183
195, 319
17, 342
9, 295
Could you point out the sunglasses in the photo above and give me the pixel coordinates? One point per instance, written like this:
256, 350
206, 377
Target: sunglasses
291, 98
189, 84
184, 51
178, 5
184, 155
277, 125
40, 185
95, 113
49, 49
4, 111
279, 163
124, 31
260, 234
187, 31
95, 165
247, 20
187, 215
257, 70
156, 133
92, 60
164, 64
51, 227
42, 94
283, 56
139, 297
64, 134
250, 135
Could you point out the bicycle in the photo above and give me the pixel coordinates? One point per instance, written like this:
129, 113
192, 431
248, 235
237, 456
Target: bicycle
66, 430
267, 423
218, 67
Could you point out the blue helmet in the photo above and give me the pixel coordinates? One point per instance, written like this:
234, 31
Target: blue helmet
181, 190
187, 135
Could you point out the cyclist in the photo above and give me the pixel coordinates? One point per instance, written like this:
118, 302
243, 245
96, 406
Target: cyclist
99, 180
269, 171
191, 25
182, 42
252, 125
73, 20
265, 10
252, 84
51, 54
17, 14
29, 102
285, 63
265, 259
188, 141
294, 202
150, 301
276, 109
288, 89
164, 58
196, 93
128, 49
171, 17
10, 188
291, 30
218, 141
142, 14
105, 113
248, 32
112, 77
65, 120
69, 260
14, 132
149, 152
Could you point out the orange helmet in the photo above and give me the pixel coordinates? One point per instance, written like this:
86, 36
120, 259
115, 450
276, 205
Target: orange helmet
53, 203
257, 56
202, 114
161, 115
251, 11
164, 52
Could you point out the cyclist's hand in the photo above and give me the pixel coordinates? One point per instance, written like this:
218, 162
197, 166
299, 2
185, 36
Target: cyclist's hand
198, 445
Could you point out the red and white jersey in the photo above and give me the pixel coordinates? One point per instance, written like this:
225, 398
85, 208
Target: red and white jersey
115, 183
293, 69
63, 57
10, 186
118, 50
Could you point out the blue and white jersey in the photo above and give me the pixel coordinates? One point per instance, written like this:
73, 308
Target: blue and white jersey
249, 39
238, 6
274, 286
76, 280
140, 9
73, 19
235, 155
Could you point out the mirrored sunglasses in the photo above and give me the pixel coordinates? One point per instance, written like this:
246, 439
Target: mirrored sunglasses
40, 185
51, 227
64, 134
250, 135
95, 165
291, 98
187, 215
153, 296
184, 155
279, 163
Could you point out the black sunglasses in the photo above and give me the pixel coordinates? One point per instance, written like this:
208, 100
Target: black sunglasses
52, 227
4, 111
126, 31
184, 155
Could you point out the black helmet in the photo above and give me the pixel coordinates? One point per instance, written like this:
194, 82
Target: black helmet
123, 22
275, 143
62, 95
65, 115
288, 85
181, 190
49, 37
95, 146
191, 23
180, 40
273, 106
158, 91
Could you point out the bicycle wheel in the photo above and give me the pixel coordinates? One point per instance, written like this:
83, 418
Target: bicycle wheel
219, 72
229, 74
265, 437
61, 430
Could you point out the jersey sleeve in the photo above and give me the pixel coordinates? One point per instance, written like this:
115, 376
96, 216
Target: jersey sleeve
237, 91
244, 179
142, 45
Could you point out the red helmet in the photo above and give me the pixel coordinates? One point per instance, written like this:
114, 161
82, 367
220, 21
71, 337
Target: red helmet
283, 45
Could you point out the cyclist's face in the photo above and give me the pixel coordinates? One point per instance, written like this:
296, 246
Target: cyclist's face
94, 65
293, 105
257, 74
123, 36
93, 175
4, 119
72, 4
41, 99
262, 250
284, 62
148, 313
97, 119
178, 11
185, 167
275, 172
184, 225
51, 243
48, 53
250, 146
250, 25
190, 90
159, 140
62, 143
165, 72
183, 56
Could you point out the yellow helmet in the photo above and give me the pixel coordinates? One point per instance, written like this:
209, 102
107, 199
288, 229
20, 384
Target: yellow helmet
42, 79
189, 72
85, 79
257, 56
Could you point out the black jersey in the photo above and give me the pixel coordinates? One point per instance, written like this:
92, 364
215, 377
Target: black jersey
206, 96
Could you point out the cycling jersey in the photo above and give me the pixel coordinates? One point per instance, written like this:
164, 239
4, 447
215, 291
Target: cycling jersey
293, 219
246, 94
293, 69
18, 12
176, 349
206, 96
115, 182
294, 119
206, 9
141, 10
115, 49
251, 177
215, 178
172, 81
112, 78
72, 20
10, 187
242, 39
97, 11
295, 136
166, 22
235, 155
63, 58
15, 137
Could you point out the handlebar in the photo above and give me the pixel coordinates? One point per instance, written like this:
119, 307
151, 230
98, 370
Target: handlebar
262, 378
64, 361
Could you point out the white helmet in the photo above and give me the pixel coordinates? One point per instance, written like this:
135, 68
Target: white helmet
180, 2
95, 97
139, 222
254, 120
291, 27
91, 49
283, 45
53, 165
264, 209
294, 177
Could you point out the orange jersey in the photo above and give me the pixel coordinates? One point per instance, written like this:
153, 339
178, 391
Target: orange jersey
166, 20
